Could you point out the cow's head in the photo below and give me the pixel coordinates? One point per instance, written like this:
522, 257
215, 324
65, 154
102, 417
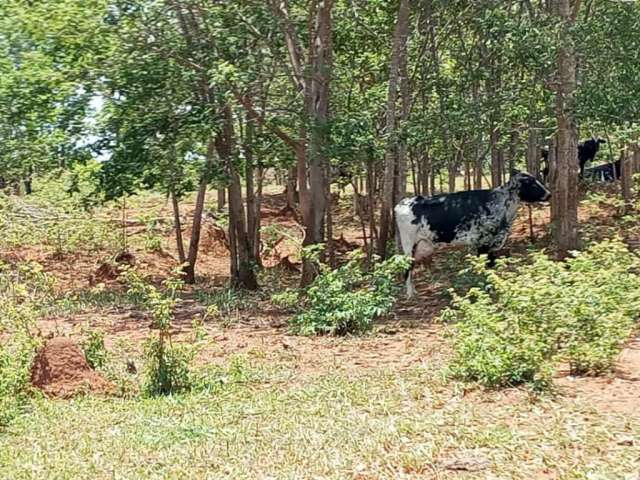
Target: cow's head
529, 188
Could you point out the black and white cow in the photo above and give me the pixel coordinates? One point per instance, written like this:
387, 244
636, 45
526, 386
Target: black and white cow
481, 219
609, 172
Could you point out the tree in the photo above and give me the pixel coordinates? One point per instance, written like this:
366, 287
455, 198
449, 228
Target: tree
564, 211
394, 155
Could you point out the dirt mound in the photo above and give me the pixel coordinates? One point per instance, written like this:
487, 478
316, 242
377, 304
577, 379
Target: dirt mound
125, 258
284, 212
61, 370
106, 272
213, 239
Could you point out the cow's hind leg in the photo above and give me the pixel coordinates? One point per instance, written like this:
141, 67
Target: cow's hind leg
407, 241
491, 255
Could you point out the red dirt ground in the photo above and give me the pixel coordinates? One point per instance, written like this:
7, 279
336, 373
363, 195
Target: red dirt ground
408, 338
61, 370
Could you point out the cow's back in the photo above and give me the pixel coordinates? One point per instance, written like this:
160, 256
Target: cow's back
445, 217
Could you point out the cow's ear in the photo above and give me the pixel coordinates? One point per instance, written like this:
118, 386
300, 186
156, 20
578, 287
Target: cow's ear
602, 140
514, 172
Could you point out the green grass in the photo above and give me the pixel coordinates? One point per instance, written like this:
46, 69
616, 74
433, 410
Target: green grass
381, 425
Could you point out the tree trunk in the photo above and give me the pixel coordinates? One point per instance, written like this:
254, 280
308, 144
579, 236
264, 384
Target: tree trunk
513, 151
243, 272
320, 59
432, 180
533, 152
178, 226
398, 54
565, 185
400, 181
253, 194
222, 198
425, 173
452, 172
626, 178
291, 188
496, 163
194, 243
371, 201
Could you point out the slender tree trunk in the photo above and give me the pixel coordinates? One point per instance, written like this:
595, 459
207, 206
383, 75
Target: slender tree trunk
257, 216
452, 172
513, 151
405, 101
533, 152
194, 243
398, 52
329, 222
291, 188
182, 258
222, 198
626, 178
477, 179
253, 194
432, 180
415, 171
496, 163
565, 191
371, 200
425, 174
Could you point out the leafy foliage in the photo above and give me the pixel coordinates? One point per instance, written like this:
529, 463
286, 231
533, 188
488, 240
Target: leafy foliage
347, 299
529, 317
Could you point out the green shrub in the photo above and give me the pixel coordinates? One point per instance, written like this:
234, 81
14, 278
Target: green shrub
16, 357
529, 317
167, 366
25, 292
349, 298
94, 349
152, 242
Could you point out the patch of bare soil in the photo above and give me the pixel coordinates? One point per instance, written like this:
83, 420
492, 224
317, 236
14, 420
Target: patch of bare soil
616, 393
61, 370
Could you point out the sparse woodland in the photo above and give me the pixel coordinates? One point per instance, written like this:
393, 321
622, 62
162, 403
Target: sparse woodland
199, 251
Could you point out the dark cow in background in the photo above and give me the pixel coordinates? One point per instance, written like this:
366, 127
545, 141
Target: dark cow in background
481, 219
587, 151
609, 172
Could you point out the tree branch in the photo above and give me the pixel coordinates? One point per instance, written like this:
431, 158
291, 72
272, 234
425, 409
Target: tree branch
247, 104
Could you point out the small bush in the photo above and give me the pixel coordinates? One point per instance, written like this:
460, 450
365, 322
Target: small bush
348, 299
529, 317
152, 242
94, 349
25, 292
16, 357
167, 367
